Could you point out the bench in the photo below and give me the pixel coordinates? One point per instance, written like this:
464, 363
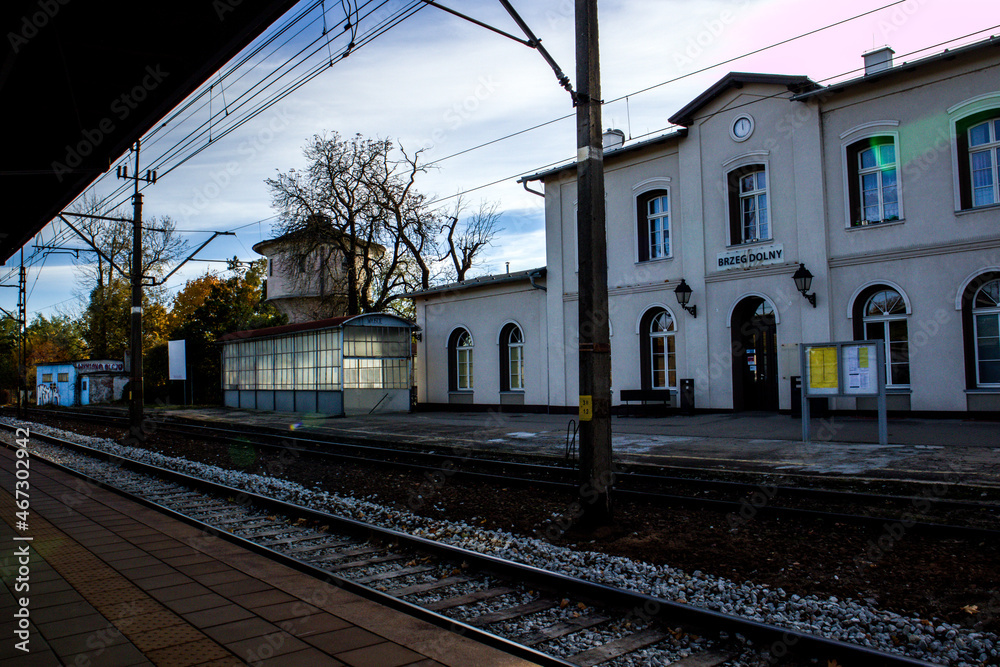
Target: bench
646, 396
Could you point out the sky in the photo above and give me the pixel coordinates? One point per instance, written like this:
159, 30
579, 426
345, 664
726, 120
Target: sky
443, 85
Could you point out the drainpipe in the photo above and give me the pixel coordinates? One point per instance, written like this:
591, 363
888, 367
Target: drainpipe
531, 279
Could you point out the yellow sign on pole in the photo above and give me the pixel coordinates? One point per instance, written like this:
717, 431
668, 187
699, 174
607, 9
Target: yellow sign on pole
586, 408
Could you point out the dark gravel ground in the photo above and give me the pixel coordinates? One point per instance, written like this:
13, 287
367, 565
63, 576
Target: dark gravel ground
954, 580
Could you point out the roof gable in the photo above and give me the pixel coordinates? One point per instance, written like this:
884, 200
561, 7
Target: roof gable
794, 83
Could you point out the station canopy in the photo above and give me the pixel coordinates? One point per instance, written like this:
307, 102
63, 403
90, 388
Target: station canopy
71, 77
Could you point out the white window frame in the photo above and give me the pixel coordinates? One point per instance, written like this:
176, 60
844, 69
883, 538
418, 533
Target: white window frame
869, 130
992, 148
665, 336
754, 195
751, 158
976, 312
464, 382
958, 113
884, 320
638, 190
515, 373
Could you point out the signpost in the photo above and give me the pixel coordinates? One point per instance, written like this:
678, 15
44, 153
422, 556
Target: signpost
177, 362
848, 369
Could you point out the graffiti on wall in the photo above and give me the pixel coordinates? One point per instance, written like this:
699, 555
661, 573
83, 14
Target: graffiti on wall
48, 394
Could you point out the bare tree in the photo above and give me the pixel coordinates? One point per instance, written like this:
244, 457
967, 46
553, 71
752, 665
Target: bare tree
357, 201
465, 238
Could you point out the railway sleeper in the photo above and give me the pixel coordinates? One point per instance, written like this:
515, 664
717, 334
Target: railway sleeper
617, 647
363, 563
541, 604
469, 598
393, 574
561, 629
430, 586
300, 551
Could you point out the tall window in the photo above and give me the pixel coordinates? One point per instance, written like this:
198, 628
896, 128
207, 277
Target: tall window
884, 319
658, 354
460, 349
749, 217
984, 154
511, 358
878, 194
653, 225
986, 322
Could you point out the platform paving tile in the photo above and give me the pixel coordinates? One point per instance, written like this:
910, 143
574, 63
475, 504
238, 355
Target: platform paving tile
48, 586
310, 657
193, 653
262, 598
120, 655
148, 621
294, 609
89, 623
240, 587
196, 603
145, 570
385, 654
237, 630
182, 561
66, 612
123, 564
44, 658
207, 618
87, 642
185, 590
174, 552
172, 635
44, 600
156, 582
219, 577
262, 649
340, 641
202, 567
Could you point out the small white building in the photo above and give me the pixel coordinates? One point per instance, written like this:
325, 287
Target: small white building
885, 188
337, 366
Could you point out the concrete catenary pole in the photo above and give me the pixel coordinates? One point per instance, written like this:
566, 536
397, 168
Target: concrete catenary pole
594, 336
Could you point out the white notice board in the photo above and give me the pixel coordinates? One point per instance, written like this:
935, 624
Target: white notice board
177, 360
860, 369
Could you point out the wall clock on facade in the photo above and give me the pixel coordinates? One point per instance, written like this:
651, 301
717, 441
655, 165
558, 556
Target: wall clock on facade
742, 128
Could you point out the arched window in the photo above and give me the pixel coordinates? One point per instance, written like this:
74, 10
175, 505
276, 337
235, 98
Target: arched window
986, 323
884, 318
460, 349
984, 152
511, 358
658, 351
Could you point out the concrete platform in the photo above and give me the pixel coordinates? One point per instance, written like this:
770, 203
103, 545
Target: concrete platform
953, 450
111, 582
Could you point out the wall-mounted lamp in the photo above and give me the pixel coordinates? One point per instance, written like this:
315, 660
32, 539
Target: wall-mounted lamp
803, 281
683, 294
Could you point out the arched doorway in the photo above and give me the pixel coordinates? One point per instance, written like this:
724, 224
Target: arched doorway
755, 355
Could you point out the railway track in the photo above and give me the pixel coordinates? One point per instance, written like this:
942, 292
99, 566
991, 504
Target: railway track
925, 514
544, 616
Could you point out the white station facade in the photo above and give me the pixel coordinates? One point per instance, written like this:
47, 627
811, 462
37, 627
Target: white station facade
884, 189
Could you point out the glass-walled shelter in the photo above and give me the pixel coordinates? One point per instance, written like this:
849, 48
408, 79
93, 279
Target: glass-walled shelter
338, 366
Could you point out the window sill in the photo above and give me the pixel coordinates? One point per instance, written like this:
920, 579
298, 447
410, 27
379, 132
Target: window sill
460, 392
875, 225
898, 390
654, 261
977, 209
515, 392
750, 244
984, 390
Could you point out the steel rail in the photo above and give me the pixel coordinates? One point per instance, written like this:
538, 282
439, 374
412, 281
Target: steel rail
626, 480
650, 607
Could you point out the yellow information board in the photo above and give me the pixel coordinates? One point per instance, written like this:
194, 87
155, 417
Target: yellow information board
586, 408
823, 368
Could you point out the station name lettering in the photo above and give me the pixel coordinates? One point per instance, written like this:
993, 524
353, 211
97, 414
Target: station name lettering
751, 257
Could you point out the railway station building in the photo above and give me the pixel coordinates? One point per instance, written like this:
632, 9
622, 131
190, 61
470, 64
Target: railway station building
779, 212
335, 366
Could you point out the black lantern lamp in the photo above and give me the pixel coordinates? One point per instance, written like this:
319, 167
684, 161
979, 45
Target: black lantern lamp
683, 294
803, 281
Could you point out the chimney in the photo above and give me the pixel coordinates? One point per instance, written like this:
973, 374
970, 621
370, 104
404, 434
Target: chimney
613, 139
877, 60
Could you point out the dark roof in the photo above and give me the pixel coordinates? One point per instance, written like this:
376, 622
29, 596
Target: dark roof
328, 323
895, 70
483, 281
609, 155
795, 83
329, 233
63, 77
